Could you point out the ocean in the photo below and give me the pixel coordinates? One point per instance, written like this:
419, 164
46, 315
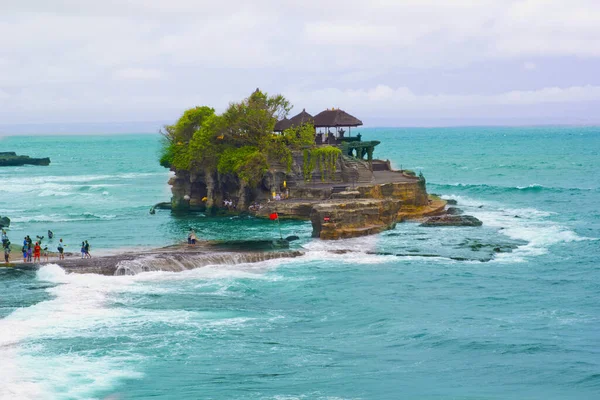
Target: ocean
507, 310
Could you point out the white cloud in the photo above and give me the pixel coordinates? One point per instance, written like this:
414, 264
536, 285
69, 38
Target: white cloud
138, 74
63, 55
385, 101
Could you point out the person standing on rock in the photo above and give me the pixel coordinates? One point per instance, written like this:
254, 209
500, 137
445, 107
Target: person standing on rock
7, 252
4, 238
37, 253
87, 250
29, 252
82, 249
61, 250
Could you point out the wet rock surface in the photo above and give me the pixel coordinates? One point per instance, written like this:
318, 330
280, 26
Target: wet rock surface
452, 220
174, 259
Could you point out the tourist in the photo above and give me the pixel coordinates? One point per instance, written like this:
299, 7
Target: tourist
87, 250
4, 238
28, 239
7, 252
192, 237
82, 249
61, 249
29, 252
37, 250
24, 250
45, 253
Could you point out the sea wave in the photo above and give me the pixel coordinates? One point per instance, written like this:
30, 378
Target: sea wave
491, 189
529, 225
86, 306
62, 217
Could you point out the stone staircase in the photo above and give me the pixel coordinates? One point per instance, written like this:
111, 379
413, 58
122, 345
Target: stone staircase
354, 170
380, 165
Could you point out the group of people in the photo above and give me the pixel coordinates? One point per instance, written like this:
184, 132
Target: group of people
85, 249
35, 251
229, 204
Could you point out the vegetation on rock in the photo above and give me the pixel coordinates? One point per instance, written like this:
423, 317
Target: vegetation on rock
324, 157
239, 141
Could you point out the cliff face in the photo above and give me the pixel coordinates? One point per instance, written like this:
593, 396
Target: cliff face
189, 188
355, 200
201, 190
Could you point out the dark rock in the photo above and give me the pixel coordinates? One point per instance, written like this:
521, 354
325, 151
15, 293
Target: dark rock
292, 238
174, 258
452, 220
4, 222
451, 202
250, 245
454, 211
11, 159
340, 251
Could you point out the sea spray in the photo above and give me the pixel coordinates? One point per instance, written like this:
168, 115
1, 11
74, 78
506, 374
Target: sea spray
527, 224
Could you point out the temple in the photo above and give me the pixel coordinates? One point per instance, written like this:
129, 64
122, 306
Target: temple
335, 182
333, 127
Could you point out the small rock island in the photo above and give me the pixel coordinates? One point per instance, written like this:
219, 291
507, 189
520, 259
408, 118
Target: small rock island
11, 159
253, 159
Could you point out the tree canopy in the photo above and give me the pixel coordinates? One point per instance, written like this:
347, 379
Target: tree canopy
238, 141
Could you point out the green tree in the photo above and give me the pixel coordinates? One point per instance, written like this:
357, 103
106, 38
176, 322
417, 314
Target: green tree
240, 141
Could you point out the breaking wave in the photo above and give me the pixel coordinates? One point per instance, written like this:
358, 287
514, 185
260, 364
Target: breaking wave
62, 218
177, 262
529, 225
491, 189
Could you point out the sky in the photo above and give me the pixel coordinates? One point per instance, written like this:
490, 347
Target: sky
135, 64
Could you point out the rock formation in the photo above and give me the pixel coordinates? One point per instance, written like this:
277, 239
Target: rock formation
11, 159
452, 220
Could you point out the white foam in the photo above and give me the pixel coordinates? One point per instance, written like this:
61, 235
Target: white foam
62, 217
83, 305
46, 186
526, 224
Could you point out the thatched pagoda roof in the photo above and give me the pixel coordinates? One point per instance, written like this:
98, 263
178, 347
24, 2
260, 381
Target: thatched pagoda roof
335, 118
302, 118
282, 125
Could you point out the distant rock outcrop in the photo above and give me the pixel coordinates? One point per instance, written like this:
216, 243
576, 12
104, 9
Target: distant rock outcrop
11, 159
452, 220
4, 222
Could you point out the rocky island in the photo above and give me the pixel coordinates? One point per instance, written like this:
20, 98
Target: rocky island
253, 159
11, 159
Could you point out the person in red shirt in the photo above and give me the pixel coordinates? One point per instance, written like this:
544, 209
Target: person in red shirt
37, 250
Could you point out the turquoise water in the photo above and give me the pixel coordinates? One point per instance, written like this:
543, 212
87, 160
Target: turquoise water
380, 322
